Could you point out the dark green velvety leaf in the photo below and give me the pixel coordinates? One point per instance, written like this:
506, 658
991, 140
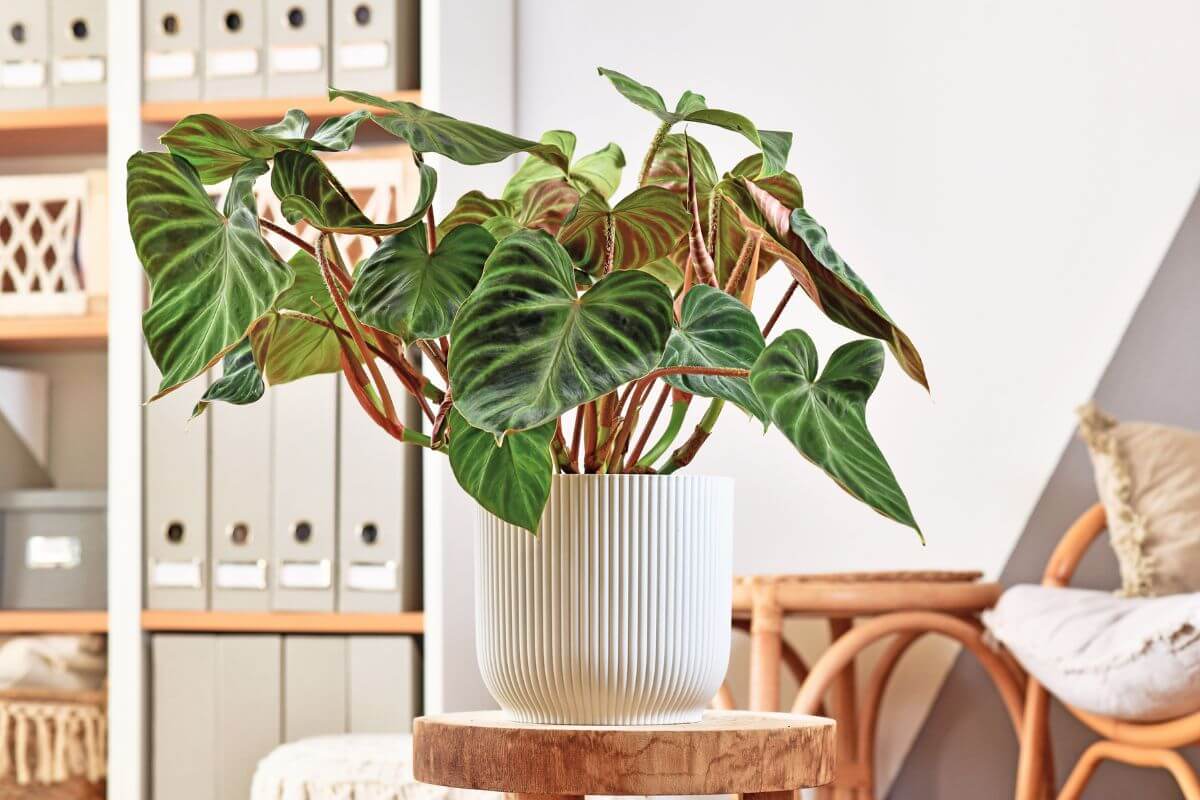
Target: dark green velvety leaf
402, 289
527, 348
217, 149
825, 418
645, 226
465, 142
211, 275
774, 145
286, 348
794, 237
308, 191
715, 330
240, 383
598, 172
474, 208
502, 227
512, 478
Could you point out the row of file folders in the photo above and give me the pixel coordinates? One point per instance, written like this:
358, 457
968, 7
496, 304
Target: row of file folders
294, 503
220, 703
54, 52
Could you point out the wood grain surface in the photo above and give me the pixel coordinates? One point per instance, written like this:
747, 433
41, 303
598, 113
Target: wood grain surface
728, 752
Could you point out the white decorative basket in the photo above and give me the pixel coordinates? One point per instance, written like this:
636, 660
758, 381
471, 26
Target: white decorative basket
41, 217
618, 611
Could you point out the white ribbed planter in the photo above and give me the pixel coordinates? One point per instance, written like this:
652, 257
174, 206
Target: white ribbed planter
618, 612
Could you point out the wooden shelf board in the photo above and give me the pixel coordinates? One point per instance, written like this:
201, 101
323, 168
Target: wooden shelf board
86, 331
282, 622
13, 621
258, 109
41, 119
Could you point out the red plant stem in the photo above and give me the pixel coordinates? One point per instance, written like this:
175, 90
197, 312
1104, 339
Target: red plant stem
444, 349
590, 434
435, 357
289, 235
385, 396
576, 437
724, 372
746, 295
739, 268
655, 413
396, 431
430, 230
783, 301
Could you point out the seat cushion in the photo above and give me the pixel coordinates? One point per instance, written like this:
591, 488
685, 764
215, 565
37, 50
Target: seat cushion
348, 767
1134, 658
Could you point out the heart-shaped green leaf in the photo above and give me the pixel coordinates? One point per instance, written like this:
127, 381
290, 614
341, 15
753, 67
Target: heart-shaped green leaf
511, 479
645, 226
465, 142
527, 348
715, 330
598, 172
547, 204
217, 148
240, 383
825, 418
474, 208
669, 168
667, 271
774, 145
211, 274
288, 348
308, 191
794, 237
403, 289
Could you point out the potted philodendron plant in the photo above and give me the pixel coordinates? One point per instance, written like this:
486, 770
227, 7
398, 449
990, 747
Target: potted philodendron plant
557, 325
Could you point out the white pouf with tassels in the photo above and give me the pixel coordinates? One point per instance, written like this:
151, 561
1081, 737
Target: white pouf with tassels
618, 611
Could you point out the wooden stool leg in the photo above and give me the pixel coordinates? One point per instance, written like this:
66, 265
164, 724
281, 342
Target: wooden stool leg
768, 796
766, 649
845, 711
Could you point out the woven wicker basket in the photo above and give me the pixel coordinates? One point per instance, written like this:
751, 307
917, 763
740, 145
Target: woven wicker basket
52, 745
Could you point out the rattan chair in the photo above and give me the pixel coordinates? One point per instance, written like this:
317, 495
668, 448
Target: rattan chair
1142, 744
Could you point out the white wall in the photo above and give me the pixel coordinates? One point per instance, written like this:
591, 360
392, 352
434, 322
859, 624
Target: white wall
1006, 176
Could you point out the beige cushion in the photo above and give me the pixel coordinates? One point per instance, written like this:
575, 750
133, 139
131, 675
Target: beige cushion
1130, 658
1148, 477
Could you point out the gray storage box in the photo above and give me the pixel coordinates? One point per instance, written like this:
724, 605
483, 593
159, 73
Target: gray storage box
376, 45
171, 64
55, 553
234, 44
25, 54
78, 49
297, 48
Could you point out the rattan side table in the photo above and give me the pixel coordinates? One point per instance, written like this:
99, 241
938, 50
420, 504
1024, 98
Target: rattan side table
756, 755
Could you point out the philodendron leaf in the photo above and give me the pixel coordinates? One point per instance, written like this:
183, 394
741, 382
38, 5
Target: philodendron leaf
240, 383
667, 271
547, 204
774, 145
474, 208
403, 289
465, 142
645, 226
598, 172
288, 348
825, 417
211, 274
308, 191
715, 330
217, 148
511, 479
527, 348
793, 236
669, 168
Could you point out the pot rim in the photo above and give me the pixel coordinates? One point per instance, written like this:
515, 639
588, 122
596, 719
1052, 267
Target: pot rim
673, 476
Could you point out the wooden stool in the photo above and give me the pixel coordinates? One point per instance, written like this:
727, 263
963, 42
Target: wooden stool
902, 605
756, 755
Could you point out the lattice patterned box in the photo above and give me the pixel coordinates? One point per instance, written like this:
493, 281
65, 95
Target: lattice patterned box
41, 217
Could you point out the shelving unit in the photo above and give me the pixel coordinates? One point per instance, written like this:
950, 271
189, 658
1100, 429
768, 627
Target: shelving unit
468, 61
409, 622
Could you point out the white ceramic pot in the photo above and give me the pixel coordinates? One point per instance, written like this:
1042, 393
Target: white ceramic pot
618, 612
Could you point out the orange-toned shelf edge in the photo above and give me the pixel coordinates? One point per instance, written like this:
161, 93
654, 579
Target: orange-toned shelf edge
12, 621
50, 333
254, 109
282, 622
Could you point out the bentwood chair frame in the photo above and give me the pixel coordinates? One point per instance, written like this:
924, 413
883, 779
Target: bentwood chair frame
1143, 744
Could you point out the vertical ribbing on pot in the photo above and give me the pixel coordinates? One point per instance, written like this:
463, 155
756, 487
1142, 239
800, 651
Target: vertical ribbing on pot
618, 612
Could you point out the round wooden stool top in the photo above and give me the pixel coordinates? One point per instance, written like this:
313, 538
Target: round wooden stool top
727, 752
866, 593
